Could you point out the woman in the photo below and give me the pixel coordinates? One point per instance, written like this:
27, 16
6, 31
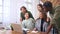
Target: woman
28, 23
40, 7
41, 24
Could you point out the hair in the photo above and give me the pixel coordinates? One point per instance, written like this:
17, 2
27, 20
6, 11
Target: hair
48, 4
22, 7
40, 5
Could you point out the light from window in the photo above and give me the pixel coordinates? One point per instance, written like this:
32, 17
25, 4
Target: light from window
0, 17
0, 10
0, 2
28, 0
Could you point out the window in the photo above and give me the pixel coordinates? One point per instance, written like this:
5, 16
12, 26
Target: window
0, 10
28, 4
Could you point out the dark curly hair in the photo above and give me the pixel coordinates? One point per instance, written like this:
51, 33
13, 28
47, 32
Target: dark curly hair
48, 4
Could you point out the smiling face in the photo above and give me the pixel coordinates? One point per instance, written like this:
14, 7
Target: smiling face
39, 8
45, 9
41, 15
26, 15
23, 10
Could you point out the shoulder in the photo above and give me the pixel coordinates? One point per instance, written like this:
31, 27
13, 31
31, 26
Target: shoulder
23, 21
45, 23
57, 8
57, 11
29, 12
31, 18
21, 13
37, 19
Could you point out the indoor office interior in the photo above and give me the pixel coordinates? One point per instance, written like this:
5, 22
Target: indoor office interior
11, 17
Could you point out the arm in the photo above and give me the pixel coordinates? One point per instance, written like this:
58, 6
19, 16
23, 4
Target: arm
49, 28
54, 20
35, 29
21, 20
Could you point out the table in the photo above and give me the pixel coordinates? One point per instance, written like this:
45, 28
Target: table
14, 32
30, 32
9, 32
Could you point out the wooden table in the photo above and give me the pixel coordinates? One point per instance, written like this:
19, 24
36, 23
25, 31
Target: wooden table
14, 32
9, 32
30, 32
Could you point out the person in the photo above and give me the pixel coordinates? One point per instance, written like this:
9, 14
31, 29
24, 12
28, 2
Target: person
48, 9
41, 24
54, 18
23, 11
28, 23
40, 7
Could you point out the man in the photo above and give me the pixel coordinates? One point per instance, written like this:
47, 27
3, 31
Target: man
23, 11
55, 17
48, 9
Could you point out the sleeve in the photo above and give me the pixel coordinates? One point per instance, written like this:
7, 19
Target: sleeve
21, 15
56, 16
36, 25
34, 22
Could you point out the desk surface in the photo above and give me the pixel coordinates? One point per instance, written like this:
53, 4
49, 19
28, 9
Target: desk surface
14, 32
30, 32
9, 32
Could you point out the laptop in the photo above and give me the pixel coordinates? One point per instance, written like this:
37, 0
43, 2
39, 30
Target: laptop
17, 27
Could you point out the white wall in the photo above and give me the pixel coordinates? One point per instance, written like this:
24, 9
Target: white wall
6, 12
35, 12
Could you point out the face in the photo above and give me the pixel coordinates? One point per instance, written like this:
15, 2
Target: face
39, 8
40, 15
26, 15
23, 10
45, 9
